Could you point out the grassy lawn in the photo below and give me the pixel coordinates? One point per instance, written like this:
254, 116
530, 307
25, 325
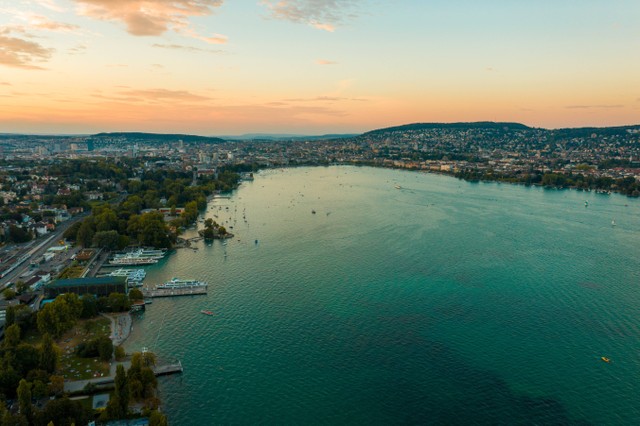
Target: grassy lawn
72, 367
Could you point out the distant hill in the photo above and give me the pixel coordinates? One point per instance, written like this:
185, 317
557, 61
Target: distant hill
287, 137
583, 132
457, 126
158, 137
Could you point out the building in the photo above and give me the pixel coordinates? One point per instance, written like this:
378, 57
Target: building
103, 286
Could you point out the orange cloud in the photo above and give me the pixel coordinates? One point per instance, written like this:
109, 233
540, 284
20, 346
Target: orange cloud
321, 14
153, 17
325, 62
154, 95
19, 53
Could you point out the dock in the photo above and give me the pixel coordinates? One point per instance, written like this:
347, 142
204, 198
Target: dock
171, 292
167, 369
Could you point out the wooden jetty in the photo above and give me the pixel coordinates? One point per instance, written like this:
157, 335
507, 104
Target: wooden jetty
170, 292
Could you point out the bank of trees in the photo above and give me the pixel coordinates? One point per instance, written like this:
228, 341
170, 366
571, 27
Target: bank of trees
134, 220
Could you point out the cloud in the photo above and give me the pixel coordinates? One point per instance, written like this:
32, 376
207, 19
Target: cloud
186, 48
4, 83
49, 4
41, 22
153, 95
78, 49
324, 99
321, 14
593, 106
19, 53
153, 17
325, 62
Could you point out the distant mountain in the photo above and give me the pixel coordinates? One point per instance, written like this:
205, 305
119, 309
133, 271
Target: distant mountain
287, 137
157, 137
456, 126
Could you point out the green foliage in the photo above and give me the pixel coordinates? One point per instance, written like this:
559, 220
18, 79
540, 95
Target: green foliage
118, 405
120, 353
64, 412
24, 399
135, 295
116, 302
85, 233
60, 315
157, 419
49, 354
11, 336
99, 347
27, 358
18, 235
9, 294
109, 240
89, 306
72, 232
10, 315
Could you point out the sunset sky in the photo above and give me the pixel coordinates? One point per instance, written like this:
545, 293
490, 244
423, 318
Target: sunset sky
224, 67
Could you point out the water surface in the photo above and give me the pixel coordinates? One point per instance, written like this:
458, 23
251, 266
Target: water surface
442, 302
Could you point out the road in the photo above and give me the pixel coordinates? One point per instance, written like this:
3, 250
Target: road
37, 248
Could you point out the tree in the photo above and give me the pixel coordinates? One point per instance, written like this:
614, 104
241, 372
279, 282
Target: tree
105, 348
9, 294
118, 302
56, 385
71, 232
12, 336
18, 235
10, 316
27, 358
135, 294
109, 240
118, 405
60, 315
48, 354
85, 233
21, 286
157, 419
24, 399
89, 306
120, 353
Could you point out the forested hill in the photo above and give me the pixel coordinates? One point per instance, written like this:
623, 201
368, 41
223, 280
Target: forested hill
488, 125
155, 137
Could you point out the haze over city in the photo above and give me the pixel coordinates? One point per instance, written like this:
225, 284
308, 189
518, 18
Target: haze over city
217, 67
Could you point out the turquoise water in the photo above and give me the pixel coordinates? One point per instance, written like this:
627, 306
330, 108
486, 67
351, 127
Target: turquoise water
444, 302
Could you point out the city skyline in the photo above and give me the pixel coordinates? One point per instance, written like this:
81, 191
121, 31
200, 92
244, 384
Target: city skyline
215, 67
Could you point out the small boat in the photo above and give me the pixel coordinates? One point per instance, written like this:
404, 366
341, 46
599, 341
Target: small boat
586, 203
613, 222
206, 312
313, 212
605, 359
397, 186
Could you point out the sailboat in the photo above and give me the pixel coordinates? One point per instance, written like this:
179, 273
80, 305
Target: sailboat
613, 222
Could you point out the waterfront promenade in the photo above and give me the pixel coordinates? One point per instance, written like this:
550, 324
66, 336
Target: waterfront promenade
120, 327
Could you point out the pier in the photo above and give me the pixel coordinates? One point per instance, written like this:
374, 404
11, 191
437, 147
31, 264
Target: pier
170, 292
164, 370
78, 386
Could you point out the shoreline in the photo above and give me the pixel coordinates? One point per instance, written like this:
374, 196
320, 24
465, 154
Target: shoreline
121, 324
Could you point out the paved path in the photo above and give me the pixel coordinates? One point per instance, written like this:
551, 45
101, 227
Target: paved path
120, 327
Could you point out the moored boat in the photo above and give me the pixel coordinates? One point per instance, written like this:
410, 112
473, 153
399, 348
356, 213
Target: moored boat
177, 283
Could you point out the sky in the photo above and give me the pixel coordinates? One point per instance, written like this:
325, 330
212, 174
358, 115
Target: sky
229, 67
